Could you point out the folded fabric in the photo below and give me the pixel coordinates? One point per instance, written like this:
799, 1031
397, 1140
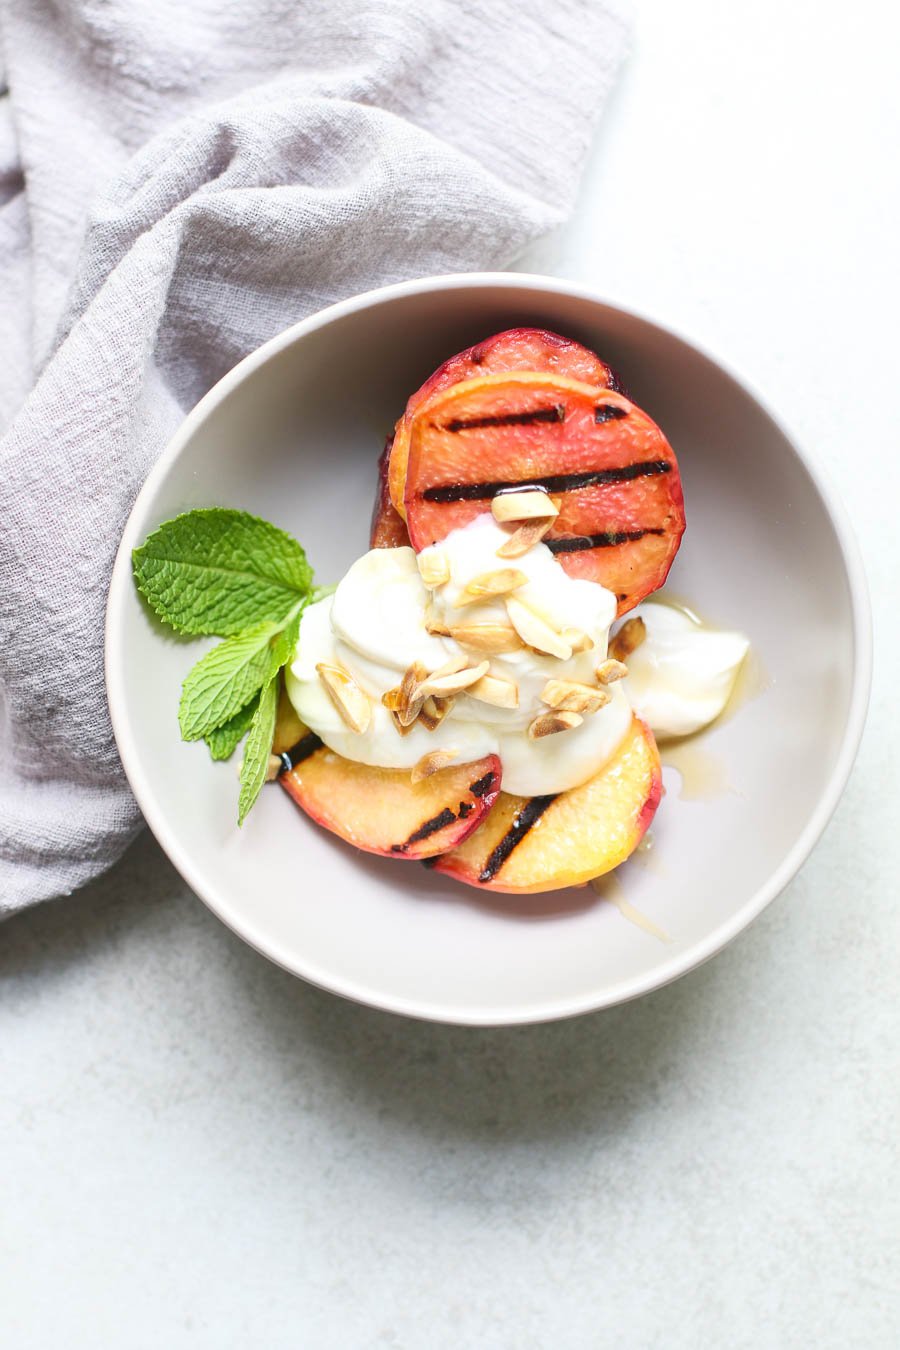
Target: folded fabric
177, 184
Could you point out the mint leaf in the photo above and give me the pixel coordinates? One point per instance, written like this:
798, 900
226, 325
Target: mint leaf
219, 571
258, 748
226, 678
225, 739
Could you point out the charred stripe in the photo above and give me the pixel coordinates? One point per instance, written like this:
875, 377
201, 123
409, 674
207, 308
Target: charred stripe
446, 493
438, 822
529, 815
306, 746
579, 543
557, 413
609, 412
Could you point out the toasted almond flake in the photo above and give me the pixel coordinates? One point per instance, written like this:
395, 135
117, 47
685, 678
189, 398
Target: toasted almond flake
404, 701
571, 696
498, 692
536, 632
434, 569
490, 584
523, 504
491, 638
434, 710
577, 640
434, 625
455, 681
628, 638
525, 537
431, 763
399, 727
346, 695
455, 663
607, 671
548, 724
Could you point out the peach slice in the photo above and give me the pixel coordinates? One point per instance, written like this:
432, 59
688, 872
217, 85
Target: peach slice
530, 844
614, 474
382, 810
515, 349
388, 526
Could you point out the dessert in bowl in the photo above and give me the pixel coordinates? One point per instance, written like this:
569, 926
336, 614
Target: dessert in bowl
293, 435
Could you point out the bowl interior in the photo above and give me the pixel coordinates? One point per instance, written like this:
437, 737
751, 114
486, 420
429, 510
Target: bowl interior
294, 436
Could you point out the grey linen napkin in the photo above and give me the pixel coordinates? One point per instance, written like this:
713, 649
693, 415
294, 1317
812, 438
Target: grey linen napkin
178, 182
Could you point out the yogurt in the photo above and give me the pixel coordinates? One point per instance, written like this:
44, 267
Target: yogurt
382, 618
681, 676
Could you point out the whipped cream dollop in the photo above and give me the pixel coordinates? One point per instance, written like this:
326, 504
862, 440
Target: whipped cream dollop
376, 625
682, 675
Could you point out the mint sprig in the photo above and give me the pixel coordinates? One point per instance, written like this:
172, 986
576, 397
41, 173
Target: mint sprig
228, 676
229, 574
219, 572
225, 739
258, 748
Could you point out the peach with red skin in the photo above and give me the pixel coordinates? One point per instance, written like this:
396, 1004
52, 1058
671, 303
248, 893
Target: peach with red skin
388, 529
607, 464
382, 811
578, 835
529, 349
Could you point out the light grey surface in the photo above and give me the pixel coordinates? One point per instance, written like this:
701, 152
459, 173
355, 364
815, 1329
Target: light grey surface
199, 1151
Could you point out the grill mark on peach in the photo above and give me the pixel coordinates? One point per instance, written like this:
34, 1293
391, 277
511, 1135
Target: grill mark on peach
530, 814
480, 788
609, 412
438, 822
306, 746
556, 413
446, 493
579, 543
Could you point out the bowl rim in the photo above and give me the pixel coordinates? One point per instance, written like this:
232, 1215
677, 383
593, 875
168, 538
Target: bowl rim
669, 969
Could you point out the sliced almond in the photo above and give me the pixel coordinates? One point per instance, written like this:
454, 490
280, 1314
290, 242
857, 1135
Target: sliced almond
431, 763
523, 504
404, 701
524, 538
346, 695
491, 584
434, 569
450, 667
628, 638
571, 696
548, 724
434, 710
402, 729
536, 632
490, 638
435, 626
273, 768
607, 671
577, 640
455, 681
499, 693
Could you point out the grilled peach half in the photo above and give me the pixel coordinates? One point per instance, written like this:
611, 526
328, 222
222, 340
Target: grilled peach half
530, 844
388, 528
526, 349
611, 469
382, 810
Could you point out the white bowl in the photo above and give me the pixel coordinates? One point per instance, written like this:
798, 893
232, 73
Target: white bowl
293, 434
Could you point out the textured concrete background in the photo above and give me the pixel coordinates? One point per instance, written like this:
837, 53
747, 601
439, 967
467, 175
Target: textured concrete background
200, 1151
